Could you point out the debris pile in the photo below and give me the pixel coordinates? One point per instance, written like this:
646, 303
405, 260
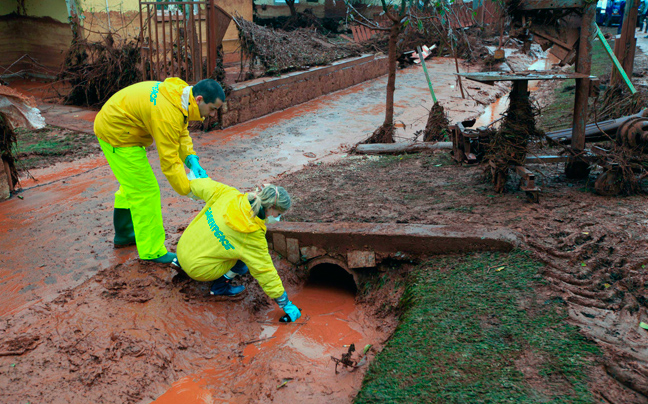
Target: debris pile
616, 101
97, 70
278, 51
16, 110
509, 145
468, 44
436, 129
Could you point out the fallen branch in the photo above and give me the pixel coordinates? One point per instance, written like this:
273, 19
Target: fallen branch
398, 148
254, 341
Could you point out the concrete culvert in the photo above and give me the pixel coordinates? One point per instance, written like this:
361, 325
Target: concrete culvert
328, 275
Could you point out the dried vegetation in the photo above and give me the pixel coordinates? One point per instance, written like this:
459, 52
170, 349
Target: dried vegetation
97, 70
508, 146
278, 51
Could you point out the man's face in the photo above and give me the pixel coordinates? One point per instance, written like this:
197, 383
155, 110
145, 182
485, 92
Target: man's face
208, 109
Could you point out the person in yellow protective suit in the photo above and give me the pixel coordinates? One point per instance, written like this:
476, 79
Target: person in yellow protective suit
228, 237
131, 120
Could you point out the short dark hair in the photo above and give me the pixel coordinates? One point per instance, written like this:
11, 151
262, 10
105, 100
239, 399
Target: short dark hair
210, 91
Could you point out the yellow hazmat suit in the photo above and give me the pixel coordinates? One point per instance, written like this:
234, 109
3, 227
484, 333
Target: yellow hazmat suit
225, 231
131, 120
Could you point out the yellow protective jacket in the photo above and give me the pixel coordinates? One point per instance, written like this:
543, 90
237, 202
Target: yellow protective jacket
225, 231
147, 111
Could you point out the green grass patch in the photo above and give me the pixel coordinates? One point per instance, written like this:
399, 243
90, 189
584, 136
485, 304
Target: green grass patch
471, 333
46, 147
381, 161
559, 114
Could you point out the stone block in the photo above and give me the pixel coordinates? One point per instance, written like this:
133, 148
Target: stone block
361, 259
279, 243
311, 252
292, 245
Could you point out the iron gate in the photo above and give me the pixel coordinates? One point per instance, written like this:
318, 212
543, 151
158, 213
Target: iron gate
181, 38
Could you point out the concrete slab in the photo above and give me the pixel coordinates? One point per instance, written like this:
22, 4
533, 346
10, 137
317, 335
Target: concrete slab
354, 238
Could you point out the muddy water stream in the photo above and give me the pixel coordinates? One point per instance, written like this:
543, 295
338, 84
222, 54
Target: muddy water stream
290, 362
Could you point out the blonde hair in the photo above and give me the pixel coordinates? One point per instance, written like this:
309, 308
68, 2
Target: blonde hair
271, 196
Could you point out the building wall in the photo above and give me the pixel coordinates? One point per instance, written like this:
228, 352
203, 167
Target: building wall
8, 7
38, 29
43, 39
55, 9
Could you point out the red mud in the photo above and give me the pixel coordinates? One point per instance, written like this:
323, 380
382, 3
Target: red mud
135, 331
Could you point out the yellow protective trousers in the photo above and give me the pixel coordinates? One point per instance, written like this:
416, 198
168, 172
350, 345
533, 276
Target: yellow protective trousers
138, 191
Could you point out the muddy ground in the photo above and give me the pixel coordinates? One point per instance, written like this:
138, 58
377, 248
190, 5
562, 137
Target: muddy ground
594, 248
106, 342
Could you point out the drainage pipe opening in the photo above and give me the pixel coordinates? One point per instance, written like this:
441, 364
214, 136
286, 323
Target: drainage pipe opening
331, 276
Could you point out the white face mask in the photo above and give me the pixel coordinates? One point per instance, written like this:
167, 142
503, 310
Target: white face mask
272, 219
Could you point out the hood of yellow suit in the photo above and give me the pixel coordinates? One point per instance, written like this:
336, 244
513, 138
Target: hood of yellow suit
172, 89
239, 216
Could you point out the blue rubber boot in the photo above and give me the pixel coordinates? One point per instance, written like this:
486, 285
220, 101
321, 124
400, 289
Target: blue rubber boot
223, 287
167, 258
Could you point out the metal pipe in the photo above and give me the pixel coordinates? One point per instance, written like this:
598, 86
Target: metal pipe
142, 41
178, 47
194, 62
148, 14
157, 47
108, 12
200, 41
164, 52
171, 44
615, 61
427, 76
186, 44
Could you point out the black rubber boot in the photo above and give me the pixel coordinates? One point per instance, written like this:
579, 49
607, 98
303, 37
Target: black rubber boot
124, 231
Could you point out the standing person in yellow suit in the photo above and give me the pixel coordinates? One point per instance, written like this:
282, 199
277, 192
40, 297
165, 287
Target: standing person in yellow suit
228, 237
131, 120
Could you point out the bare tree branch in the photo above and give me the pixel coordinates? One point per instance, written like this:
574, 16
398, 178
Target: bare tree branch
374, 27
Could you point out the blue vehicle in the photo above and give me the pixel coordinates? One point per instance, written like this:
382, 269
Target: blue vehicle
609, 12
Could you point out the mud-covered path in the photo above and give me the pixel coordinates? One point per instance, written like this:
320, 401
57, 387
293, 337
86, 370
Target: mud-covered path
83, 322
61, 232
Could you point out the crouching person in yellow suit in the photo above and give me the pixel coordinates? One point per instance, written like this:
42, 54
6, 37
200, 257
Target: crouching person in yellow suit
228, 237
131, 120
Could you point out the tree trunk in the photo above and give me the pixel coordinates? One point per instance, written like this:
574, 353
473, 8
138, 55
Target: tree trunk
385, 133
291, 6
391, 78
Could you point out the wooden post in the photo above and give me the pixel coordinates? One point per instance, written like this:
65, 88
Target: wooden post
625, 48
577, 167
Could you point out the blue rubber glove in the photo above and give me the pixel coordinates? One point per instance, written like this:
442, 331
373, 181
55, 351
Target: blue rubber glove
292, 312
192, 162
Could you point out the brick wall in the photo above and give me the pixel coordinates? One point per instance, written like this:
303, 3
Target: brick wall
249, 101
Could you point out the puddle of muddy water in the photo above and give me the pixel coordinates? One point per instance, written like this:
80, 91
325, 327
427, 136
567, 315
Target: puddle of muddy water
292, 361
495, 110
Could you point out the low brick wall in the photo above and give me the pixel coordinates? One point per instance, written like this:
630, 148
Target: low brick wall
264, 96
